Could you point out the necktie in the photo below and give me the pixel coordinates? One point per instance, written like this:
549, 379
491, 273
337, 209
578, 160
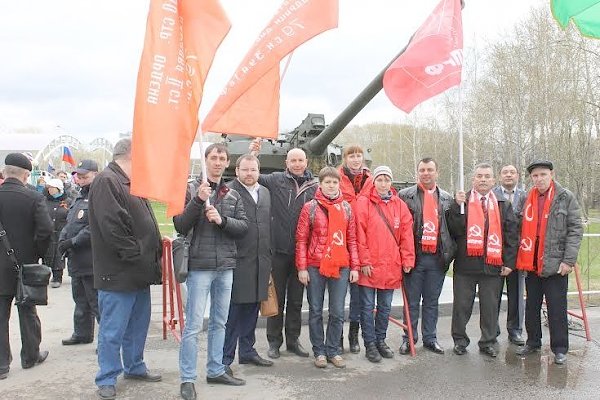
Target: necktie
484, 205
511, 196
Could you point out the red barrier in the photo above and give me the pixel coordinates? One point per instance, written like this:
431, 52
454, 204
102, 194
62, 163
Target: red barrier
404, 326
171, 291
583, 315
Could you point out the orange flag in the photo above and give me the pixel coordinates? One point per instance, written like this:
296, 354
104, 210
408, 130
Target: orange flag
181, 40
249, 103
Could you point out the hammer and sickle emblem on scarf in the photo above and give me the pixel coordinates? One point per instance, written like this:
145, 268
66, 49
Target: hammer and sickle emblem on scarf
475, 231
338, 238
494, 240
529, 213
428, 227
526, 244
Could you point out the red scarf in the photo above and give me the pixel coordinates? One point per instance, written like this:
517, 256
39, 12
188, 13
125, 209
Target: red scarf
476, 230
336, 254
529, 231
431, 224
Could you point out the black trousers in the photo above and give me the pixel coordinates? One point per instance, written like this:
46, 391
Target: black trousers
241, 325
290, 293
515, 288
86, 306
465, 288
554, 288
31, 333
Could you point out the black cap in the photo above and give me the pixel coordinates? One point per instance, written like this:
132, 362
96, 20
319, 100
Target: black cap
18, 160
86, 166
540, 164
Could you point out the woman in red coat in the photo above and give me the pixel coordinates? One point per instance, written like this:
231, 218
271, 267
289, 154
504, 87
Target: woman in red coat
326, 256
385, 248
355, 181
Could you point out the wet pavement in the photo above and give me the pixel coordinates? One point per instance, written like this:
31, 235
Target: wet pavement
69, 371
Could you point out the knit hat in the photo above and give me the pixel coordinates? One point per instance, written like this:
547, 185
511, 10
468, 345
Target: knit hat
382, 170
18, 160
56, 183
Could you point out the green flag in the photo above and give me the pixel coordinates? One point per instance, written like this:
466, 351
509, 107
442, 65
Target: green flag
585, 14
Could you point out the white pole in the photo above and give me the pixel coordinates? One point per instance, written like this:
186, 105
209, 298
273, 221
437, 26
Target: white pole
202, 158
461, 168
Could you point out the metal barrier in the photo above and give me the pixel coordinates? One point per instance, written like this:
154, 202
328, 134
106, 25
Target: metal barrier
408, 325
171, 295
583, 315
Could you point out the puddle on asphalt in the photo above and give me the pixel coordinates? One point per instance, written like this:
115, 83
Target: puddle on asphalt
540, 369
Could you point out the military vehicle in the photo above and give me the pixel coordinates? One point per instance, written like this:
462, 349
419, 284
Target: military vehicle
312, 135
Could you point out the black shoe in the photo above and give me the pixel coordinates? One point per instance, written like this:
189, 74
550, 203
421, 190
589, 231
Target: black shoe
3, 375
187, 391
297, 349
372, 353
76, 340
353, 338
107, 392
146, 377
257, 360
516, 339
489, 351
226, 379
434, 346
560, 358
404, 348
41, 358
273, 351
459, 349
384, 349
526, 350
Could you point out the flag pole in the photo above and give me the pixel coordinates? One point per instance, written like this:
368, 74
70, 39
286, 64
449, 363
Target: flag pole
200, 136
461, 167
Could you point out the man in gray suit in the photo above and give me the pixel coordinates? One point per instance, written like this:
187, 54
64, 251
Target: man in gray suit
515, 281
251, 275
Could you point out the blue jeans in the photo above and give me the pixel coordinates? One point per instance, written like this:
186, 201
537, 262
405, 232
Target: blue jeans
354, 313
200, 284
374, 327
315, 291
125, 320
425, 282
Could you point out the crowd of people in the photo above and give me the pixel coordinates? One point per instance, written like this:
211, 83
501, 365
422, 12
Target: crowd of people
346, 230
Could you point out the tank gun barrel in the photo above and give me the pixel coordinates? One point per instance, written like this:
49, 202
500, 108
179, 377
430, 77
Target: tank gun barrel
319, 143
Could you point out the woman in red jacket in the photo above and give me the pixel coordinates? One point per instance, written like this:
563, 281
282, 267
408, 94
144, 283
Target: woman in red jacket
385, 248
326, 256
356, 180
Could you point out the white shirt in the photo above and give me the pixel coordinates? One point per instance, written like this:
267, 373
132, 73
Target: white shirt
253, 190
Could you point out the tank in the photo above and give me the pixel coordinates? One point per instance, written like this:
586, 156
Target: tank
313, 135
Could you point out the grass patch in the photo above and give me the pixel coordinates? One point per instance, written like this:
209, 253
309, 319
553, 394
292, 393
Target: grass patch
165, 224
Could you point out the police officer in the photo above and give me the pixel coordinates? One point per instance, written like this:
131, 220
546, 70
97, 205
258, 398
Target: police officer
28, 228
75, 242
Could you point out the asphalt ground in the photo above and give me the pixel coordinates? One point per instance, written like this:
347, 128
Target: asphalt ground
69, 371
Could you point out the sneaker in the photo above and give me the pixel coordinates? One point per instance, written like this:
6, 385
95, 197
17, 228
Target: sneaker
55, 284
321, 361
337, 361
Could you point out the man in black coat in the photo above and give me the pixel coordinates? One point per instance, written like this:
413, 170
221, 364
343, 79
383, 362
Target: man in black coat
28, 227
515, 281
75, 241
126, 250
251, 274
289, 191
486, 237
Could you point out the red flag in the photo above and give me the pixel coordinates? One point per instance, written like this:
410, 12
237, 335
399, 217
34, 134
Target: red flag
181, 40
67, 156
432, 62
249, 103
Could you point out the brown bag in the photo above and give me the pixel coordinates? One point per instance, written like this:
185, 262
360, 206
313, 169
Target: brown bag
270, 306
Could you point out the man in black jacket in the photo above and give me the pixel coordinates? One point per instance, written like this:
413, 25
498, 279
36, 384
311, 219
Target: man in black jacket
289, 191
216, 215
28, 227
486, 236
126, 251
251, 275
76, 242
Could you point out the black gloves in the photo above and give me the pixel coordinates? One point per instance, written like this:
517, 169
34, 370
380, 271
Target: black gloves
64, 246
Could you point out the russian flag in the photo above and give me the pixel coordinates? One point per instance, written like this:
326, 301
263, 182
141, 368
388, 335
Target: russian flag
67, 156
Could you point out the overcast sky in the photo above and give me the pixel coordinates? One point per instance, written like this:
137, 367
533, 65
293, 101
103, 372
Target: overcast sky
74, 63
